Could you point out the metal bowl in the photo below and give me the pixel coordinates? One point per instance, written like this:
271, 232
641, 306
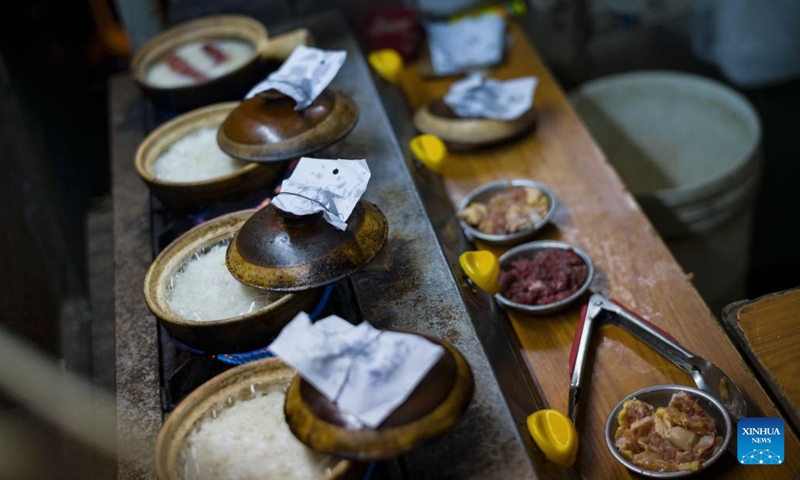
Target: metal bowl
196, 194
485, 192
228, 335
528, 249
660, 395
221, 392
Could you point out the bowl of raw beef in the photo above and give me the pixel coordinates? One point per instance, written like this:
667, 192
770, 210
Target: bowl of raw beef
543, 277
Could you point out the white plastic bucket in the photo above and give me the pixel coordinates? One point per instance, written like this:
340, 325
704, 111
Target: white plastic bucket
688, 149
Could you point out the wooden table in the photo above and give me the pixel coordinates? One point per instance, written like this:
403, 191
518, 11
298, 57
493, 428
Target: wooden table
634, 266
768, 330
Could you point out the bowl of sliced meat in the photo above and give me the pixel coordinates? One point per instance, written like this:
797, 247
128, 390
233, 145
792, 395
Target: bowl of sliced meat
668, 431
506, 212
537, 278
543, 277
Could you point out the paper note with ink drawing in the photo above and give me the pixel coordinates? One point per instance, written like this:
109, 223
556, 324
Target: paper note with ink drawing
385, 373
325, 350
476, 97
366, 372
304, 75
332, 187
467, 44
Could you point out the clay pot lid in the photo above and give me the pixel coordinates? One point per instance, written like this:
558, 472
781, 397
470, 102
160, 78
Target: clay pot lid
436, 118
433, 408
274, 251
267, 128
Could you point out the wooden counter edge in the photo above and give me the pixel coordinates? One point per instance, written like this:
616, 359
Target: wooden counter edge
770, 384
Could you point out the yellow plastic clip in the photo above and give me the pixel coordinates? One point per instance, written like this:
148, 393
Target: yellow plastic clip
483, 268
387, 62
555, 434
515, 8
430, 150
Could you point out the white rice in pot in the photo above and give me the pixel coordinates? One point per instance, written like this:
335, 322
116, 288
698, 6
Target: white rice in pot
204, 289
195, 157
250, 440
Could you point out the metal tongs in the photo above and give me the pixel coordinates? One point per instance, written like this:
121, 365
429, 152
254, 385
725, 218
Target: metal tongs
707, 376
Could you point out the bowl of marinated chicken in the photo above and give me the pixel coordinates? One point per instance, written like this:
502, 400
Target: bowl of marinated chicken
668, 431
506, 212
